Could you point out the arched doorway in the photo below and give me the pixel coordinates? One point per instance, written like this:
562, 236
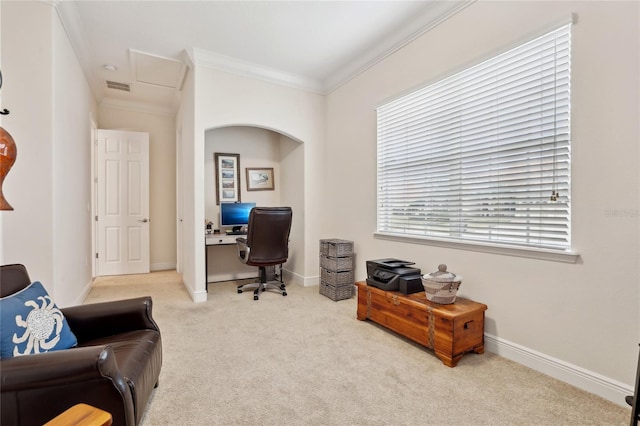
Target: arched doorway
256, 147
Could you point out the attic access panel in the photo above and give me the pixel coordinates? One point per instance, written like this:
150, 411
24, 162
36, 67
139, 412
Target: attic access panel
157, 70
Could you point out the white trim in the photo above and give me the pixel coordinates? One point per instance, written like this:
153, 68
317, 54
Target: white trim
589, 381
311, 281
72, 24
146, 108
299, 279
231, 276
440, 12
83, 294
542, 254
200, 296
231, 65
164, 266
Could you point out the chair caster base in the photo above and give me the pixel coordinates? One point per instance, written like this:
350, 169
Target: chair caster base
255, 297
239, 291
284, 293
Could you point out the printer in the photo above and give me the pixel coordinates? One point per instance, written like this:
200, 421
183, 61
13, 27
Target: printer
394, 275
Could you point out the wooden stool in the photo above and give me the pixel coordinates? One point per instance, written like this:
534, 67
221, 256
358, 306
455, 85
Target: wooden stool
82, 415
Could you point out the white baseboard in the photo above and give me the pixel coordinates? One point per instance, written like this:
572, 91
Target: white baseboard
299, 279
589, 381
579, 377
84, 293
309, 281
197, 296
162, 266
214, 278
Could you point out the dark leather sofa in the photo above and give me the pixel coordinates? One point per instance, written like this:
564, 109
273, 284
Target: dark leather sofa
115, 366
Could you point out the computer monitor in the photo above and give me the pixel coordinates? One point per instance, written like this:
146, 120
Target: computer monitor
235, 214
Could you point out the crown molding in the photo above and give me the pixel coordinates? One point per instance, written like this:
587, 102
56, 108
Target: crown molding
204, 58
72, 24
147, 108
440, 12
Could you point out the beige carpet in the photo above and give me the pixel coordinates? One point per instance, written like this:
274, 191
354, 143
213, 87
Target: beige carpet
304, 359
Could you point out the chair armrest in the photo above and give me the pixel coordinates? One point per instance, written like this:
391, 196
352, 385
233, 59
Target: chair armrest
97, 320
243, 249
36, 388
61, 367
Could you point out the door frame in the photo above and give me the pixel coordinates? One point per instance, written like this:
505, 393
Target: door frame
95, 195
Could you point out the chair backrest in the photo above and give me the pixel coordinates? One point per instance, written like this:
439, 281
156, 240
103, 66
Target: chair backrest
268, 235
13, 278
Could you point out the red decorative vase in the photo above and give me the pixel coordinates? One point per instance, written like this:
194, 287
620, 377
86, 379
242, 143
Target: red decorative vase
8, 153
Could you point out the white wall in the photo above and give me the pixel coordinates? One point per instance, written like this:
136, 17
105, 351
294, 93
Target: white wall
220, 99
187, 229
292, 193
73, 106
27, 93
257, 148
583, 315
162, 175
50, 105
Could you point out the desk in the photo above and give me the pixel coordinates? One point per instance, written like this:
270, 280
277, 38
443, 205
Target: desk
221, 239
218, 240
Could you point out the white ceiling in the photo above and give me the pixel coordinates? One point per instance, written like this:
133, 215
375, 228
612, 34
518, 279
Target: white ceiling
312, 45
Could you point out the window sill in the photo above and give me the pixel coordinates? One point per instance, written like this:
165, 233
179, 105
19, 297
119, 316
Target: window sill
541, 254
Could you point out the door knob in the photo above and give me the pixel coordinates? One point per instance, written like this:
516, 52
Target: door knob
145, 220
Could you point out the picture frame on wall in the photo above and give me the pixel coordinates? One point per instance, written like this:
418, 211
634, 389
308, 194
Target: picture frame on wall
227, 177
260, 179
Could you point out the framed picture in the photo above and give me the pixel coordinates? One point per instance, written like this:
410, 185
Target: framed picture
260, 179
227, 177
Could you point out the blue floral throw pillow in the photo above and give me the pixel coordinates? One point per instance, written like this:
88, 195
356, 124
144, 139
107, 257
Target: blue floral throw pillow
31, 323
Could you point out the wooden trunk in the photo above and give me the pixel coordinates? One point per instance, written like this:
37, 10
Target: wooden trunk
450, 330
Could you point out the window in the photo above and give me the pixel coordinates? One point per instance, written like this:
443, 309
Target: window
483, 156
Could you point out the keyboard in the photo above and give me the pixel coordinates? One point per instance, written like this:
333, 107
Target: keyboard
235, 233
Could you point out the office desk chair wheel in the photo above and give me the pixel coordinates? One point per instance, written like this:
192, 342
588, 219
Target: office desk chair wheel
256, 292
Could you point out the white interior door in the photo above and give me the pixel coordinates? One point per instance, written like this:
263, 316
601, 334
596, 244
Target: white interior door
123, 202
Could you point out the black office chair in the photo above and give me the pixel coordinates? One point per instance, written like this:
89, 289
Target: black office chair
266, 245
632, 400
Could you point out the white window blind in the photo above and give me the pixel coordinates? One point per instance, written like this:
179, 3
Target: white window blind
483, 155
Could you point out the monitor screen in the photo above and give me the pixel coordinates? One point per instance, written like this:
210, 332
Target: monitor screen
235, 214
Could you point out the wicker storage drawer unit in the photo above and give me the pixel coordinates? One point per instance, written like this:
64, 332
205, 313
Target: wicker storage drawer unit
336, 292
337, 263
336, 269
450, 330
336, 247
336, 278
